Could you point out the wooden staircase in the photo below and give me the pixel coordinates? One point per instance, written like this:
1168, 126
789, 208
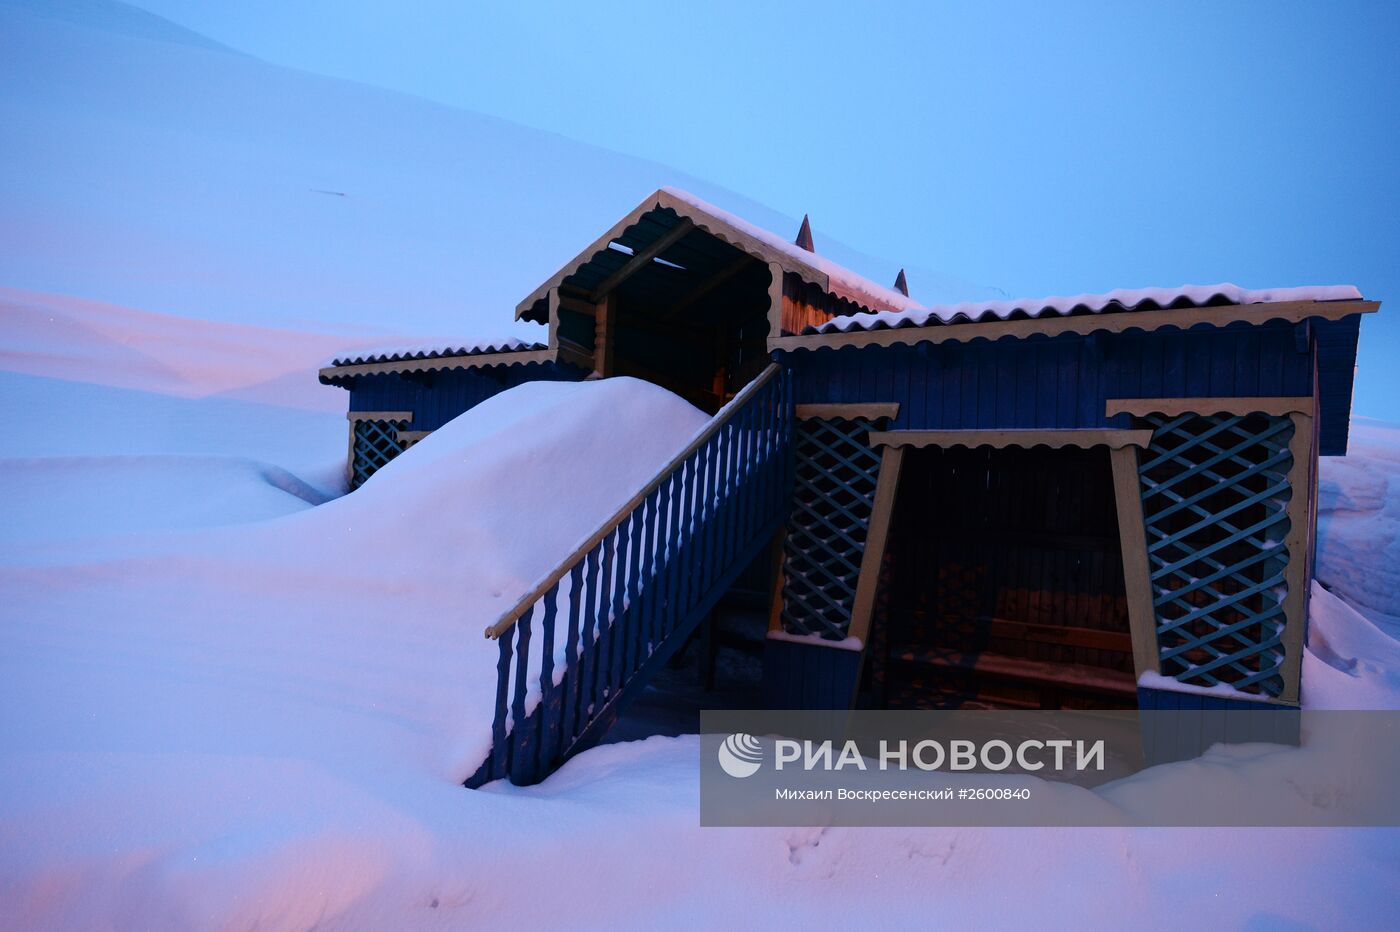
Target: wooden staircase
586, 639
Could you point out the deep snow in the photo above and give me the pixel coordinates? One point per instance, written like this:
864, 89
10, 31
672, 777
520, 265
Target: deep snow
244, 714
228, 706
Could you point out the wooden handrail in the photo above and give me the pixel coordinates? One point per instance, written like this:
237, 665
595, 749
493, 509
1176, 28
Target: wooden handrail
721, 418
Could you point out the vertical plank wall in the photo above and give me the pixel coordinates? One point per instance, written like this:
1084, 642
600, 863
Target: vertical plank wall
437, 397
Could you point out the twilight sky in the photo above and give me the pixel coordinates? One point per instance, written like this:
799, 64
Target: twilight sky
1040, 150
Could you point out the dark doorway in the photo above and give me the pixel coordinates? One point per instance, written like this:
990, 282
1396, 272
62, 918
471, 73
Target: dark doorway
1003, 583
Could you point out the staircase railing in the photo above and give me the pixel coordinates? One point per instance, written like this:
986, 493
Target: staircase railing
577, 646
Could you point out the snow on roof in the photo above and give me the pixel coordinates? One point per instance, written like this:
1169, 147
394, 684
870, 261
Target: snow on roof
842, 278
1122, 299
435, 350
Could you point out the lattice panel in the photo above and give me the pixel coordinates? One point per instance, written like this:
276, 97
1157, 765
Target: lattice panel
376, 442
1214, 495
833, 493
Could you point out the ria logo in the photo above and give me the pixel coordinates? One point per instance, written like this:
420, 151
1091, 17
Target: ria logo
740, 755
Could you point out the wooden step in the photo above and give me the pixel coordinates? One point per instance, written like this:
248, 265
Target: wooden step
1048, 673
1064, 635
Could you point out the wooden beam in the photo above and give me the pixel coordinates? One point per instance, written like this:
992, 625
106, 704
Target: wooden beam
1174, 407
1184, 318
575, 355
698, 293
1137, 580
1055, 439
379, 416
876, 537
873, 411
642, 258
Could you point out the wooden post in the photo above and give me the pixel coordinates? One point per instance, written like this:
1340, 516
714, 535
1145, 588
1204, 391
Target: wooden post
875, 539
1137, 580
604, 330
1296, 574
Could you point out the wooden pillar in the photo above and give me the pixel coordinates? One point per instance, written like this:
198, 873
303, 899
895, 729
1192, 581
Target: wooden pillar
1137, 580
604, 333
875, 539
1296, 601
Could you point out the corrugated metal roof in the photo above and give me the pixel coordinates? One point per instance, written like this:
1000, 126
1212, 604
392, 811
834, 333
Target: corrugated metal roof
436, 350
1119, 300
843, 280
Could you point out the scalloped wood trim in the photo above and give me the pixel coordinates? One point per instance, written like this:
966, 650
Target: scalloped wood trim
1055, 439
331, 374
1084, 324
1174, 407
871, 411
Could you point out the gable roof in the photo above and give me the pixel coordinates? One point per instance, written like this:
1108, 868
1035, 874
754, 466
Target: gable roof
657, 217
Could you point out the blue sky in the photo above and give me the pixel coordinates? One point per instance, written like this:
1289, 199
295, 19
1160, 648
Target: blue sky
1037, 148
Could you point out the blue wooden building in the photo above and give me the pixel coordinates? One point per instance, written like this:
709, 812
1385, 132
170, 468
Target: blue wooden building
1100, 501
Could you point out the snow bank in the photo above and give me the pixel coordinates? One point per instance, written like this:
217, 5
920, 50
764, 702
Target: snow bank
1358, 535
62, 498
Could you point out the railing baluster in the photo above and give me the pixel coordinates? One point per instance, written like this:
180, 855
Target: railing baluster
714, 459
500, 748
665, 560
619, 605
656, 574
520, 757
568, 712
605, 576
588, 672
550, 700
748, 514
645, 549
685, 563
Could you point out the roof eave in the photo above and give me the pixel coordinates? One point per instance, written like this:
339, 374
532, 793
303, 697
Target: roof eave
703, 219
338, 375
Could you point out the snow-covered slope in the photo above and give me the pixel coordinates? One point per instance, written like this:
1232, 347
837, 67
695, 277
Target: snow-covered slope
146, 168
1359, 531
266, 725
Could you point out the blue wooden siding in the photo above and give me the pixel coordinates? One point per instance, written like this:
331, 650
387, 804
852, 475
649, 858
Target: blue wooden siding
1182, 726
808, 676
436, 398
1336, 367
1054, 382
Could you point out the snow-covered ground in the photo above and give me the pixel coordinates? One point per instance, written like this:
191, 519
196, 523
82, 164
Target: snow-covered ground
227, 707
233, 698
